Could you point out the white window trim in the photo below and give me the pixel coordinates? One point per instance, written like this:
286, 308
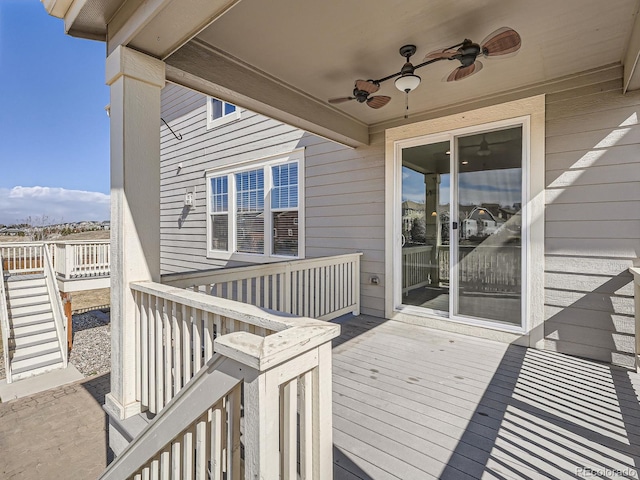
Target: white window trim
265, 163
531, 334
224, 119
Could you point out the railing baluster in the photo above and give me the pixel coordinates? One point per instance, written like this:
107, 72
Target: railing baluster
176, 310
153, 345
186, 343
165, 465
144, 349
201, 448
176, 458
168, 353
305, 408
289, 430
160, 340
216, 442
187, 454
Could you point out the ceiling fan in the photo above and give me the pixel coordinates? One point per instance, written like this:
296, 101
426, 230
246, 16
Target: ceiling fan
503, 41
361, 93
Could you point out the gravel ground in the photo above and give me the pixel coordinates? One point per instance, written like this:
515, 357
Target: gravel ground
91, 352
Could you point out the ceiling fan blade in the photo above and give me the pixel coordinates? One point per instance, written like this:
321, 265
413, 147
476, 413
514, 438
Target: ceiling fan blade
503, 41
378, 101
340, 99
463, 72
367, 86
446, 53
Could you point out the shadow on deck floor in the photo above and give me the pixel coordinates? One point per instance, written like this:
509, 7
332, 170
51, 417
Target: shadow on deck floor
415, 403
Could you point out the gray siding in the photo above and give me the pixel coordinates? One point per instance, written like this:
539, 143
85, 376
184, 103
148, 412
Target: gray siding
344, 187
592, 200
592, 221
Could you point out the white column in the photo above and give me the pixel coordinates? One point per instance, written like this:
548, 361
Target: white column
135, 80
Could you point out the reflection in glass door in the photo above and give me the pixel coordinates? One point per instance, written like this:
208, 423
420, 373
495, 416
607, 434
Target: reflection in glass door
461, 254
489, 210
425, 226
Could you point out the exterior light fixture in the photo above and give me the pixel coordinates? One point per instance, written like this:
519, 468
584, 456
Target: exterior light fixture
434, 214
464, 162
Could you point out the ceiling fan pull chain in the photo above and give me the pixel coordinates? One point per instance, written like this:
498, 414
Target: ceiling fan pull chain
406, 104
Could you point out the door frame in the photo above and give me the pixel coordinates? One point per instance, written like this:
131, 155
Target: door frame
529, 111
452, 136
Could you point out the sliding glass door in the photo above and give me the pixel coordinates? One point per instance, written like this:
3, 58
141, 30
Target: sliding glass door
461, 211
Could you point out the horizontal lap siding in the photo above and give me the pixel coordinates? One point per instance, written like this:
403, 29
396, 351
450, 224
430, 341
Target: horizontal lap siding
344, 188
592, 220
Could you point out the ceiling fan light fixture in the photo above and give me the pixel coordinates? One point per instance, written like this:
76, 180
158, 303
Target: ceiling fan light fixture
407, 83
483, 151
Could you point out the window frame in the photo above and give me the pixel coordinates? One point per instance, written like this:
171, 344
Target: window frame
225, 118
230, 170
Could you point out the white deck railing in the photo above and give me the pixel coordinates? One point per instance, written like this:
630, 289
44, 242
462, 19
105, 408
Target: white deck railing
4, 324
21, 258
197, 350
78, 259
322, 288
416, 267
486, 268
59, 318
71, 259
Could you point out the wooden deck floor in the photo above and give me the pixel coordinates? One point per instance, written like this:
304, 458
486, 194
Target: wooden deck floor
414, 403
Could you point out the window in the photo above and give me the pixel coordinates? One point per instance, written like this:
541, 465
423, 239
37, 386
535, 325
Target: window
220, 112
254, 210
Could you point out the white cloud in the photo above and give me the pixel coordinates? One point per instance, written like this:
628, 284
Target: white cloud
58, 204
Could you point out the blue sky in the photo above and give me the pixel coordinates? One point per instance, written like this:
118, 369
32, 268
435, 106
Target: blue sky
54, 152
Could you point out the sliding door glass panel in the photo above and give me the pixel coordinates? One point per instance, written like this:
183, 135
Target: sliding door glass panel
425, 226
489, 207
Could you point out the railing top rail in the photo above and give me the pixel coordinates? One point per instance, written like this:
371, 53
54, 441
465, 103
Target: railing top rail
218, 377
201, 277
79, 242
4, 324
21, 244
259, 317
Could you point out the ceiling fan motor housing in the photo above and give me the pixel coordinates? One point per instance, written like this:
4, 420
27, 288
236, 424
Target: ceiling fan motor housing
360, 95
468, 53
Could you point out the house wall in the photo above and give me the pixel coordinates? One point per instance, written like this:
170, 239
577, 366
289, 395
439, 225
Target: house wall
592, 218
335, 177
592, 221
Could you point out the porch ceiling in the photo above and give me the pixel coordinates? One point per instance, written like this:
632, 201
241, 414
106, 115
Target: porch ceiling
286, 58
320, 48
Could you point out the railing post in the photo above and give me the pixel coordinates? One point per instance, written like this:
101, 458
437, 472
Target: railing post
262, 426
69, 260
322, 415
356, 286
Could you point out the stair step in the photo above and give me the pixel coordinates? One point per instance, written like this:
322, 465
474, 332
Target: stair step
33, 329
45, 366
27, 310
27, 292
25, 320
16, 284
27, 341
25, 301
33, 362
35, 351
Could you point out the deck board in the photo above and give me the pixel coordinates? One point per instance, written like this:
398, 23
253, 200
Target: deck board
415, 403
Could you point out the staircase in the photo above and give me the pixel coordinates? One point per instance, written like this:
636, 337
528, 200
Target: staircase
33, 340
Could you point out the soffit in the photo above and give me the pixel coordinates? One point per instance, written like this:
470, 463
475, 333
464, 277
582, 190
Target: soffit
320, 48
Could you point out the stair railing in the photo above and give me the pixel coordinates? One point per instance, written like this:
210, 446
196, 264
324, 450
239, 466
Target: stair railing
59, 317
4, 324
